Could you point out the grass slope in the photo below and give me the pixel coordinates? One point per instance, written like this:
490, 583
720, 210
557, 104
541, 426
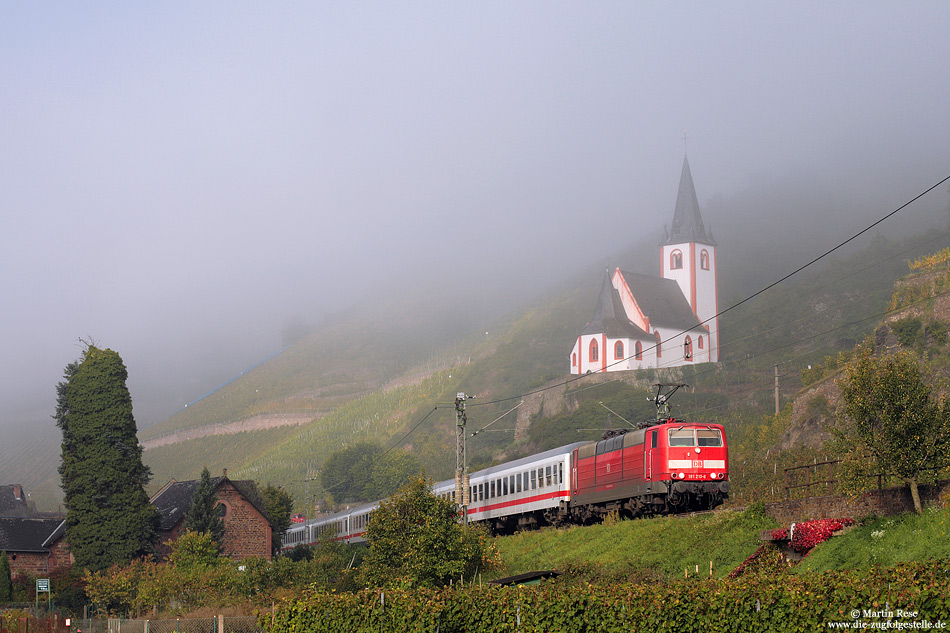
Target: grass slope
662, 547
884, 541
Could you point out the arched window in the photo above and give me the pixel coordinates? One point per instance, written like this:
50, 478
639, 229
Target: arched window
638, 351
688, 349
659, 344
676, 260
704, 259
700, 342
574, 358
618, 350
593, 350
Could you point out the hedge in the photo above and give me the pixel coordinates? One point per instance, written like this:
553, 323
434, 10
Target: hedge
781, 602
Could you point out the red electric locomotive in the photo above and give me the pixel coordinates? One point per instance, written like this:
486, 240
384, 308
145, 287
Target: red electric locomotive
666, 466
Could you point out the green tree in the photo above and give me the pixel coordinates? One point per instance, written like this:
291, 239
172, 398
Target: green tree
362, 472
347, 474
108, 515
6, 579
279, 504
194, 549
894, 424
204, 515
416, 538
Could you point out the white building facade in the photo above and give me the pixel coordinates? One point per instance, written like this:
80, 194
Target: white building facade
655, 322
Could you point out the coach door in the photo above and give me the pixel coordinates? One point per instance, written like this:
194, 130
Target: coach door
651, 450
574, 472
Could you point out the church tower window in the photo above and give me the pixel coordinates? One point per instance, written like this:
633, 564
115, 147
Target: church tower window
700, 342
704, 259
618, 350
593, 351
574, 359
676, 260
659, 344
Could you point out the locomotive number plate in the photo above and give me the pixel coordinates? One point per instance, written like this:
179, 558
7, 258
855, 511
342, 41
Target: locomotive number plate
694, 476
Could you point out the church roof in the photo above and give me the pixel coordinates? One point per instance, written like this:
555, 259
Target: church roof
687, 221
13, 501
662, 301
610, 318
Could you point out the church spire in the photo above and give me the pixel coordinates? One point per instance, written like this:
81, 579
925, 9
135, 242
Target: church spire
687, 223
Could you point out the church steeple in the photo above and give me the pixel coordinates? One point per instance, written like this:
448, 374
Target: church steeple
687, 223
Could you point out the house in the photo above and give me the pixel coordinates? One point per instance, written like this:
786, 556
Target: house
13, 502
642, 321
34, 546
247, 530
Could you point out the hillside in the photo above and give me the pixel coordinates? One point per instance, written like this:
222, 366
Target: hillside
392, 380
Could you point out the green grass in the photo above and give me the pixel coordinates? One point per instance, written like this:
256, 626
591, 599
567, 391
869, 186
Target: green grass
660, 547
884, 541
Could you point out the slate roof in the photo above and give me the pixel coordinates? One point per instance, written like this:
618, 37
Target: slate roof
687, 223
610, 318
174, 500
11, 504
662, 301
26, 535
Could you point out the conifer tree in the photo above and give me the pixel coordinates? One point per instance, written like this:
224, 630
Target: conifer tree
108, 515
6, 579
203, 514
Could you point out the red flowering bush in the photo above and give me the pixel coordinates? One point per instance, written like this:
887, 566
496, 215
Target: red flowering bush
808, 534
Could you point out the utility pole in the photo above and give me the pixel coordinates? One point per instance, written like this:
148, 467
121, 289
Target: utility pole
461, 461
776, 385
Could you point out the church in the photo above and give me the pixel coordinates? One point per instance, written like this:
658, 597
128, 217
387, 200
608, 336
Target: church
643, 321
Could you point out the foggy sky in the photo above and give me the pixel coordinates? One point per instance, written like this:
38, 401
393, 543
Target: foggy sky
177, 180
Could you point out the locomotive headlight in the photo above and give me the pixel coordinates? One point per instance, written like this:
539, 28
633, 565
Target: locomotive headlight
713, 475
682, 475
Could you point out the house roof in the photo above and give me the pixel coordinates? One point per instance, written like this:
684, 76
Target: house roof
662, 301
687, 223
174, 500
13, 501
18, 534
610, 318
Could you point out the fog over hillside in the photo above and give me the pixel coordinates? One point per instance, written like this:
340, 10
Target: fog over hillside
188, 185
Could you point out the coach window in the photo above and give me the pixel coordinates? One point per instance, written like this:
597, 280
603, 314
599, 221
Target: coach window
682, 437
534, 480
708, 437
548, 478
518, 482
504, 486
560, 473
511, 484
491, 491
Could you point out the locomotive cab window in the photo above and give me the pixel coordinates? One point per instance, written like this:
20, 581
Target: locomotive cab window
682, 437
708, 437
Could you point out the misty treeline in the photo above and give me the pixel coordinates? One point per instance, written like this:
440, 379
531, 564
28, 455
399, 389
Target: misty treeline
364, 472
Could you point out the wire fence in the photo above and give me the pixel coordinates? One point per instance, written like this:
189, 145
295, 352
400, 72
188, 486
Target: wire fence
60, 624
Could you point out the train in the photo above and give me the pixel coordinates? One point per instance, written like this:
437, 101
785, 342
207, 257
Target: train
665, 466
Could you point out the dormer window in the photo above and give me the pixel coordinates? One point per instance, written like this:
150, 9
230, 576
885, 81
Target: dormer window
676, 260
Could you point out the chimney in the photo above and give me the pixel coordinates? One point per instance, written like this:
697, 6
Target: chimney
225, 473
18, 492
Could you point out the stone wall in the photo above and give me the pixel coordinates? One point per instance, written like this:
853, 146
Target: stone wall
878, 502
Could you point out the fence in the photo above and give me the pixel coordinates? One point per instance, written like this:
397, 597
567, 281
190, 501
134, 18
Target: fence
57, 624
812, 475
